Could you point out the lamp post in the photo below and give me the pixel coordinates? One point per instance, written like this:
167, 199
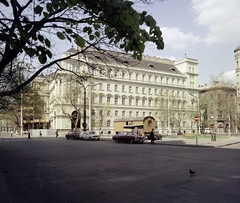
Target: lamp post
84, 124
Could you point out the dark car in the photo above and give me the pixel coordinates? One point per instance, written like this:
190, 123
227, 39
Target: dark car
130, 137
72, 135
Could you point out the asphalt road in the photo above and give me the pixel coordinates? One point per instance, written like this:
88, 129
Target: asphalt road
56, 170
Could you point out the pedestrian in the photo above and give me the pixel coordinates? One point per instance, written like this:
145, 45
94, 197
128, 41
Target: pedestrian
152, 137
56, 133
40, 133
29, 136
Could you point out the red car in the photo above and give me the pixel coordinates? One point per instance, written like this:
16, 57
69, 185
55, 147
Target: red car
72, 134
130, 137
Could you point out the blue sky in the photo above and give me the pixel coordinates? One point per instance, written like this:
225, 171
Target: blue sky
206, 30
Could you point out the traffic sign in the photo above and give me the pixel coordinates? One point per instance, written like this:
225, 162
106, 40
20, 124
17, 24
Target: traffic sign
196, 118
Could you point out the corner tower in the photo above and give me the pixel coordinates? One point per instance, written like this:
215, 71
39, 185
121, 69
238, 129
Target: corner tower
237, 59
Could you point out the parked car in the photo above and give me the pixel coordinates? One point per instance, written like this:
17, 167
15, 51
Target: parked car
91, 135
130, 137
72, 134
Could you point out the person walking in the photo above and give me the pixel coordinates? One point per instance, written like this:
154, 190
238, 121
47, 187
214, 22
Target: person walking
29, 136
40, 134
152, 137
56, 133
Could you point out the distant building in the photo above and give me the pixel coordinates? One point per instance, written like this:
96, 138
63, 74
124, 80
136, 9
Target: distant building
218, 106
164, 89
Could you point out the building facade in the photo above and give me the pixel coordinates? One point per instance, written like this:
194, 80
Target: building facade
218, 104
164, 89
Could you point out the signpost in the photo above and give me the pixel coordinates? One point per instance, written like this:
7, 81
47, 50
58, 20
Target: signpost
196, 118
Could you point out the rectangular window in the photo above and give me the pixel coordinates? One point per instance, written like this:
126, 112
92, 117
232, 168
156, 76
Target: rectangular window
130, 101
116, 88
143, 91
137, 102
123, 88
130, 76
116, 100
116, 113
108, 87
137, 113
136, 76
143, 102
144, 114
130, 113
149, 102
155, 91
100, 86
123, 101
108, 100
149, 91
123, 113
130, 89
100, 99
100, 112
137, 90
108, 113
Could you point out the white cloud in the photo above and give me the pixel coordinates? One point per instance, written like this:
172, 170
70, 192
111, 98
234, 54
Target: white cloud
177, 40
221, 17
230, 76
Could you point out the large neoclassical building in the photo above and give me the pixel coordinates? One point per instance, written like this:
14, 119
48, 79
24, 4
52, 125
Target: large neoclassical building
164, 89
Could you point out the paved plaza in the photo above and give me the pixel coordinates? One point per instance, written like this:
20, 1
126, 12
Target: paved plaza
55, 170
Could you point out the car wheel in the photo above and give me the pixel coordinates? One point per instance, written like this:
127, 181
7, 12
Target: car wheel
90, 138
67, 138
131, 141
117, 140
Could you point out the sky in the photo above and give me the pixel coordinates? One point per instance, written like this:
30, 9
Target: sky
206, 30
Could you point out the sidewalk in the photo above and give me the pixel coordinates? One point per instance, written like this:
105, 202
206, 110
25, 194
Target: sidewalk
193, 142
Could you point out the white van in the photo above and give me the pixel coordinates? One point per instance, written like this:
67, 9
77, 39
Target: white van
207, 131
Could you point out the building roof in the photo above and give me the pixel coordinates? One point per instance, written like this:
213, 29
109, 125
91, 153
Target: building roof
237, 49
151, 63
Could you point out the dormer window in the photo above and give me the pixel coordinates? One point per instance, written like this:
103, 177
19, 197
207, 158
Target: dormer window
151, 65
173, 69
97, 57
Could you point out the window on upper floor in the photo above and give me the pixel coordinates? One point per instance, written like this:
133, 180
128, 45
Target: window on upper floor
123, 75
116, 113
123, 101
130, 101
137, 77
108, 113
116, 88
130, 113
130, 89
143, 102
123, 88
116, 100
143, 90
108, 87
100, 99
137, 90
137, 113
130, 76
149, 91
100, 86
108, 100
137, 102
123, 113
149, 102
108, 123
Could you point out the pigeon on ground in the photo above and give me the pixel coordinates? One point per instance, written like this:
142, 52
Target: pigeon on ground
192, 172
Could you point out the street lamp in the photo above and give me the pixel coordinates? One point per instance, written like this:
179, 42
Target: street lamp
84, 124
